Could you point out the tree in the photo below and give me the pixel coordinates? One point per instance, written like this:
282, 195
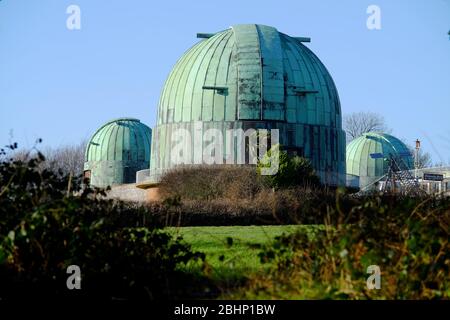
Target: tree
358, 123
425, 160
292, 171
68, 158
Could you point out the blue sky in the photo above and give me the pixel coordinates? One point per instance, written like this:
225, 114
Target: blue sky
61, 85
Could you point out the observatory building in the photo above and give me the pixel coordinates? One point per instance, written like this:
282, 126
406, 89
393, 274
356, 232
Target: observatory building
251, 77
367, 158
116, 151
245, 78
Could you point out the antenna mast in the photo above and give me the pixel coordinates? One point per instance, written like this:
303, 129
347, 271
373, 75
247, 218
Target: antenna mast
416, 160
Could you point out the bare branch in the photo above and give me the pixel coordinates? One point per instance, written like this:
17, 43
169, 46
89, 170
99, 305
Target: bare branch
358, 123
69, 158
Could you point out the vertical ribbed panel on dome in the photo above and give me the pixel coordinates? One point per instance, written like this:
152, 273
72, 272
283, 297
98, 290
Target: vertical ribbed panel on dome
213, 104
272, 73
248, 57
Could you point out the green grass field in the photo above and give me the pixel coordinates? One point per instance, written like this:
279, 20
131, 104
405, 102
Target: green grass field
231, 261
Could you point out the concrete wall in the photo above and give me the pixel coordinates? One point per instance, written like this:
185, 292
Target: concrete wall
108, 173
128, 192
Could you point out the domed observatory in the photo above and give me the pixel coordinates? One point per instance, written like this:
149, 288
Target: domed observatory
367, 157
251, 77
116, 151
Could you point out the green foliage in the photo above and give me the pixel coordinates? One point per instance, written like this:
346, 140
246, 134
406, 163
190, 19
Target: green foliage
407, 238
292, 171
48, 222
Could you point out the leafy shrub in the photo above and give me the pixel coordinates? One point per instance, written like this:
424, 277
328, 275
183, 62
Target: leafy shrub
407, 238
292, 171
47, 222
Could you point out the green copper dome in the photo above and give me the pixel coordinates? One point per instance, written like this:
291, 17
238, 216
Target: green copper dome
116, 151
369, 169
252, 76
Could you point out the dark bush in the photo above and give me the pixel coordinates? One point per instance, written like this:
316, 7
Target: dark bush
47, 222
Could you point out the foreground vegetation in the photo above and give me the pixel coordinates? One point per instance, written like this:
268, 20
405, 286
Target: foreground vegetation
406, 239
126, 251
47, 223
